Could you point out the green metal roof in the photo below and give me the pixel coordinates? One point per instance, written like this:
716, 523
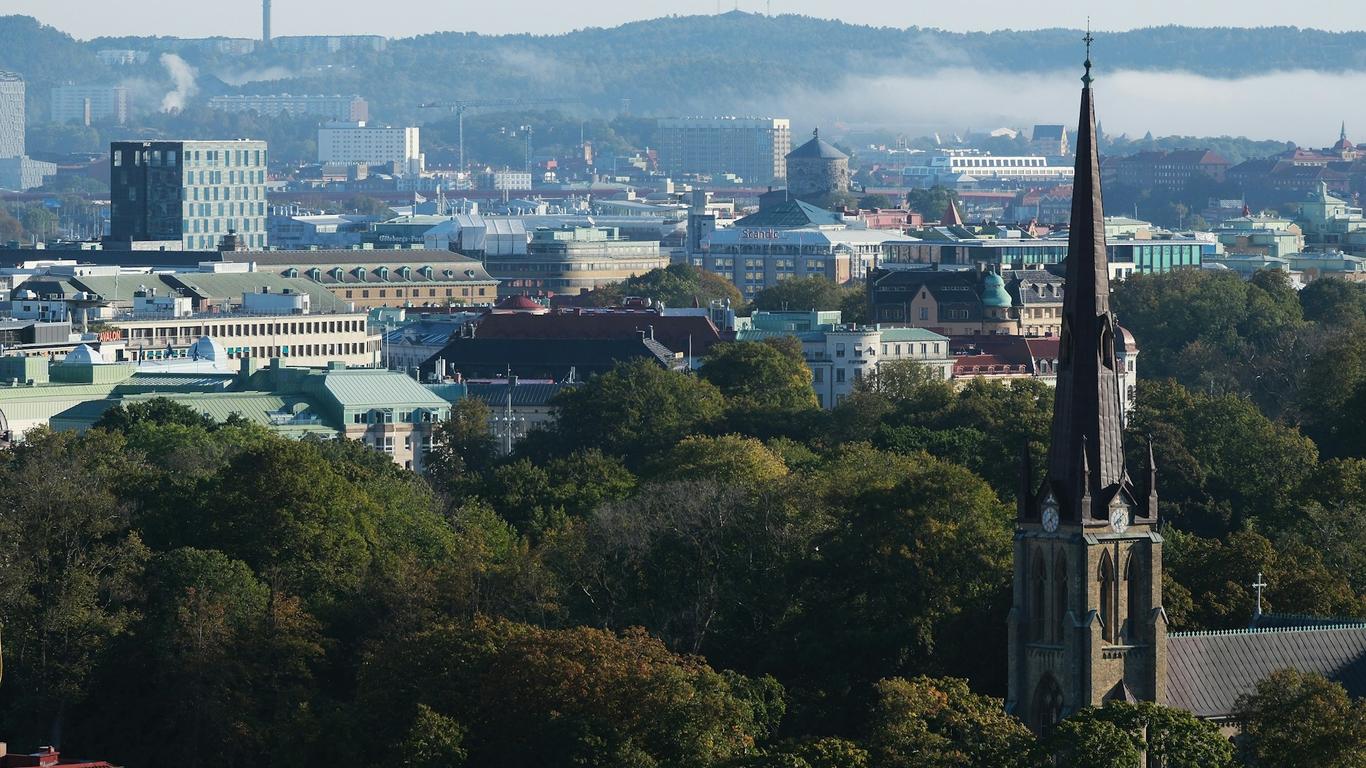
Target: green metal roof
790, 213
367, 388
911, 334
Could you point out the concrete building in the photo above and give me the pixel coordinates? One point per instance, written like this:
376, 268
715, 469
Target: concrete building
23, 172
790, 239
505, 180
354, 142
87, 104
1259, 234
571, 259
11, 115
967, 167
1329, 223
188, 194
350, 109
817, 169
752, 148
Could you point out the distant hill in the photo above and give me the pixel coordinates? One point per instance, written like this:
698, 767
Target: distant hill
720, 63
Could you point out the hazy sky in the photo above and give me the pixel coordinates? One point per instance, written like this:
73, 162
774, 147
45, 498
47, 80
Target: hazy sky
241, 18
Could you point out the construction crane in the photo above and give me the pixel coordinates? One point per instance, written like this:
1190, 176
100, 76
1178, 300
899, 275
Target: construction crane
465, 105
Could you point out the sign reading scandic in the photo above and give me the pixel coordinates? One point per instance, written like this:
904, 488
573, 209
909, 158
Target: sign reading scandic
761, 234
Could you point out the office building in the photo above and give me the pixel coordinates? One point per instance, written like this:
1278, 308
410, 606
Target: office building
381, 278
571, 259
752, 148
1173, 170
355, 143
505, 180
789, 239
11, 115
967, 302
188, 194
342, 108
23, 172
87, 104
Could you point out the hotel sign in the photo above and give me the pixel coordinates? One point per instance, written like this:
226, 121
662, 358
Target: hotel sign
761, 234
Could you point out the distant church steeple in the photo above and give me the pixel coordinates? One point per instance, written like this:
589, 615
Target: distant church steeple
1086, 625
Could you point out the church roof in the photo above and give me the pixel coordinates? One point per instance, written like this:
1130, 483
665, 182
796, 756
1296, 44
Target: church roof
1208, 671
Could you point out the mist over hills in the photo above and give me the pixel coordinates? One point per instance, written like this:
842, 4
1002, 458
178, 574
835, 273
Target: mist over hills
816, 70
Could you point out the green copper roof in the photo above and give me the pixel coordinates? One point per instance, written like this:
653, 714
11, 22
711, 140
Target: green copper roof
994, 291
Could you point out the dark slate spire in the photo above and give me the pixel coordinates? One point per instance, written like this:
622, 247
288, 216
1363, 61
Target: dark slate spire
1086, 456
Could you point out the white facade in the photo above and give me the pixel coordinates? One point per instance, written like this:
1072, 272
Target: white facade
841, 359
355, 143
349, 108
11, 115
89, 103
753, 148
947, 166
301, 340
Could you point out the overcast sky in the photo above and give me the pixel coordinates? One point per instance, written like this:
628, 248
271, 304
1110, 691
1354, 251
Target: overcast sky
241, 18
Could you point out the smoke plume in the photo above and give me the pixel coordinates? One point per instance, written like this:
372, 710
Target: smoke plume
183, 77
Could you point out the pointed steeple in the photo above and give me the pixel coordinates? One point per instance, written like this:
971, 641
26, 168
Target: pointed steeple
1342, 135
951, 216
1086, 456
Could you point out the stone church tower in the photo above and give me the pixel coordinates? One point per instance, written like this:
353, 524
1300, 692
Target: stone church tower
1087, 624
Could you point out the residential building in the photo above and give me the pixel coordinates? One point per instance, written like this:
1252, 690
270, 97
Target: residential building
381, 278
513, 410
966, 167
11, 115
1049, 141
87, 104
349, 109
692, 334
505, 180
969, 302
1002, 358
576, 359
571, 259
354, 142
752, 148
1163, 169
817, 170
188, 194
23, 172
790, 239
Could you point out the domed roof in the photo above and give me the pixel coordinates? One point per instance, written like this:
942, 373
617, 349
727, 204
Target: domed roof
84, 355
994, 291
205, 348
817, 149
520, 303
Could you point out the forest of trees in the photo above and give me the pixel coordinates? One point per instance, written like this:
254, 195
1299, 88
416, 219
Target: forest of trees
687, 570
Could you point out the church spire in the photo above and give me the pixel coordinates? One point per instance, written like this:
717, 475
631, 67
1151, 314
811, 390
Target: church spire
1086, 455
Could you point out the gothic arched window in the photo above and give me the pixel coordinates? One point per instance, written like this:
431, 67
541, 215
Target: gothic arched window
1038, 594
1133, 583
1059, 623
1047, 704
1106, 576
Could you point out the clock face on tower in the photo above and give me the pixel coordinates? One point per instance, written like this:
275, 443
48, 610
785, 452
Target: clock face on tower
1050, 515
1119, 518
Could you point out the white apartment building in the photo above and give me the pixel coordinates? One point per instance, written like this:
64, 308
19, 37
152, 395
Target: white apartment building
951, 166
86, 104
355, 143
349, 108
11, 115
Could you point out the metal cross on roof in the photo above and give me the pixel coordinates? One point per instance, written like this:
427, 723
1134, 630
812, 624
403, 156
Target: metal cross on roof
1259, 585
1086, 78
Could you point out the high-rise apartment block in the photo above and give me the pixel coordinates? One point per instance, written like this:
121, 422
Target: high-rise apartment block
752, 148
355, 143
347, 108
88, 104
11, 115
190, 192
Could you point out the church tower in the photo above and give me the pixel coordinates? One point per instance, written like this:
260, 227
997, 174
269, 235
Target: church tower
1087, 624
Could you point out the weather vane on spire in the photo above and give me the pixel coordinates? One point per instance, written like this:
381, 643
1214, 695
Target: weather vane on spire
1086, 78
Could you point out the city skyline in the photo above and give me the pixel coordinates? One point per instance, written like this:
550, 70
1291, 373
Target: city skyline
86, 19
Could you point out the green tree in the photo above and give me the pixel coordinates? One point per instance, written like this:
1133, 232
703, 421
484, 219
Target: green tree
940, 722
869, 202
434, 741
677, 285
727, 458
1109, 735
800, 294
158, 410
767, 377
1297, 720
635, 410
68, 585
462, 446
931, 203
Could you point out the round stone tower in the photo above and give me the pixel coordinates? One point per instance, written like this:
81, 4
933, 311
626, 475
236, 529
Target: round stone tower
817, 169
